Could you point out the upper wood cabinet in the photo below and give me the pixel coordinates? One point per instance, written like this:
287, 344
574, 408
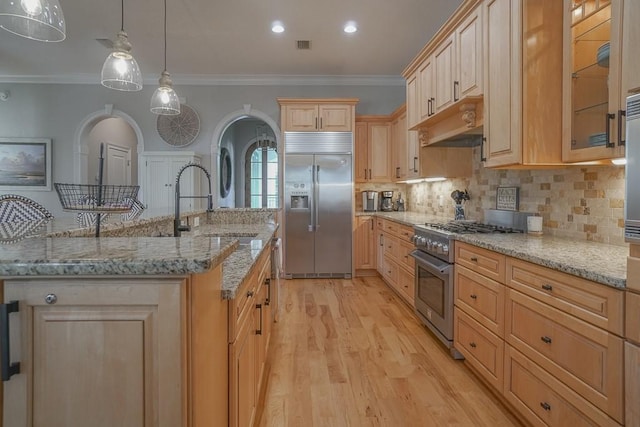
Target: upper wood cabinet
630, 43
593, 116
522, 83
373, 149
447, 71
317, 115
399, 147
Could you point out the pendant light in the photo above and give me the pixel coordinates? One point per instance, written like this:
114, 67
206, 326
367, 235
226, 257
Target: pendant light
34, 19
120, 70
164, 100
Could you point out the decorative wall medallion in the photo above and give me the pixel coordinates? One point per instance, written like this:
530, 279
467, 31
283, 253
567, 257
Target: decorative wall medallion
179, 130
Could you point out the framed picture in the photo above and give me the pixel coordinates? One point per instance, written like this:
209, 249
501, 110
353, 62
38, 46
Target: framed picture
507, 198
25, 164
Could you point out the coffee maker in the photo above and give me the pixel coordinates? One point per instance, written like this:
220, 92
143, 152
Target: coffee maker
369, 201
386, 204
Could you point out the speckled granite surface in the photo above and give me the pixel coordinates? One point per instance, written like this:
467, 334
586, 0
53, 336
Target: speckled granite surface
601, 263
69, 250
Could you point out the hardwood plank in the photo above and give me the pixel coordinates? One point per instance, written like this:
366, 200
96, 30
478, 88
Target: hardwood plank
351, 353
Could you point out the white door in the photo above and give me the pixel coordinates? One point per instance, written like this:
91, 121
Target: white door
118, 165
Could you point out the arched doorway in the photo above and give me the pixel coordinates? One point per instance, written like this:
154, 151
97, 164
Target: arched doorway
123, 142
241, 126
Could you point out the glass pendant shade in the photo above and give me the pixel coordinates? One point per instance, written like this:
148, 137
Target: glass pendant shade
41, 20
165, 100
120, 70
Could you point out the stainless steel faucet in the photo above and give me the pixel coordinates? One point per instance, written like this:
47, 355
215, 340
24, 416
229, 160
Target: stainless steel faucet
177, 227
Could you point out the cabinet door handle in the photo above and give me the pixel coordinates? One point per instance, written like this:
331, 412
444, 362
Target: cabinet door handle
259, 331
267, 283
472, 345
545, 406
456, 89
473, 296
547, 287
483, 158
621, 114
398, 172
473, 259
316, 123
381, 242
610, 116
433, 108
429, 107
8, 368
365, 173
415, 168
546, 339
320, 122
371, 223
369, 173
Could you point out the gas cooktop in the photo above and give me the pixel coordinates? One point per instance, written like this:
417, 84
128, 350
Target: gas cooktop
470, 227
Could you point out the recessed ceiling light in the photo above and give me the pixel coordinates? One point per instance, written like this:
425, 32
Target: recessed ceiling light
350, 27
277, 27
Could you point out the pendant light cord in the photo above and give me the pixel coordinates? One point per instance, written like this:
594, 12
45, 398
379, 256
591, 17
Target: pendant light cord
122, 16
165, 35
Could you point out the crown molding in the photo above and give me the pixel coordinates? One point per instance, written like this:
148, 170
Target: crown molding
222, 80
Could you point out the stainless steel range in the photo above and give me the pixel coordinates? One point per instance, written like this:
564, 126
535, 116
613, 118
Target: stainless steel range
435, 254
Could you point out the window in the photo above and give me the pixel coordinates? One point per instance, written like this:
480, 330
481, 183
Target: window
261, 176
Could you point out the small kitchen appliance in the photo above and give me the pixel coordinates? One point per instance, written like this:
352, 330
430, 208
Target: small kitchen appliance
369, 201
386, 203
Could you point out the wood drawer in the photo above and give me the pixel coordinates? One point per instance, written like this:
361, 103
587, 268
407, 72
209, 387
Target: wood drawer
587, 359
406, 260
632, 314
482, 349
390, 271
542, 399
405, 233
480, 297
483, 261
380, 223
406, 285
595, 303
391, 246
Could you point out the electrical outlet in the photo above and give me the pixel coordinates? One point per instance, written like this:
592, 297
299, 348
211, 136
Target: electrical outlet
441, 200
196, 221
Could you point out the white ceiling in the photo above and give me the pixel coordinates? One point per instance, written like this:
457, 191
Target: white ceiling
209, 40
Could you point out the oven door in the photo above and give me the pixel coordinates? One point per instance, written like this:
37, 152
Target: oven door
434, 295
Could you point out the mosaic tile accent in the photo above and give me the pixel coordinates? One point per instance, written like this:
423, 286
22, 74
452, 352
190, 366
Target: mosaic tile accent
578, 202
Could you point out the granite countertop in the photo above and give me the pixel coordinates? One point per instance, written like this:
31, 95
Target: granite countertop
598, 262
61, 248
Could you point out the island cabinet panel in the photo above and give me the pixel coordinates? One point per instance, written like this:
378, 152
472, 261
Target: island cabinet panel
98, 353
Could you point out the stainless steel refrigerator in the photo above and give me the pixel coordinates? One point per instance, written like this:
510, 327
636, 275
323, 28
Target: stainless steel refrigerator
318, 192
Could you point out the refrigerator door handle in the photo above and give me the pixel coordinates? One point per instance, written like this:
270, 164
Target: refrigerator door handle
316, 196
312, 203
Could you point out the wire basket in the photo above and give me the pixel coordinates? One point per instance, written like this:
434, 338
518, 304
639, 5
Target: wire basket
97, 198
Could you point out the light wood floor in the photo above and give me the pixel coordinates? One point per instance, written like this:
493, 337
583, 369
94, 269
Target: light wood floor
350, 353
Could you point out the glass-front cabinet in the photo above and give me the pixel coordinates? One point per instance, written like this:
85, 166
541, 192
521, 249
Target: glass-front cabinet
593, 114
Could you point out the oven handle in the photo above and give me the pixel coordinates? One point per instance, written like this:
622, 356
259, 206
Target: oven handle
431, 262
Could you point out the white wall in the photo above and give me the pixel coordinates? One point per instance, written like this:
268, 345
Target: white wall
55, 111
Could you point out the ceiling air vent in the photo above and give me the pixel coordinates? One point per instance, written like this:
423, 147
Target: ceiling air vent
303, 44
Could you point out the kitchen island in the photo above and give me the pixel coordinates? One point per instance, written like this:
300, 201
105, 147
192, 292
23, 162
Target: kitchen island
129, 329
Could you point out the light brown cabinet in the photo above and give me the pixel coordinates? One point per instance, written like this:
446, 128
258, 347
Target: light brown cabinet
522, 105
405, 147
105, 352
593, 116
249, 337
373, 149
630, 43
364, 243
317, 115
397, 267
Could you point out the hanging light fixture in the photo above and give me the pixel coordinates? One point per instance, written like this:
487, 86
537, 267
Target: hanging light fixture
120, 70
34, 19
164, 100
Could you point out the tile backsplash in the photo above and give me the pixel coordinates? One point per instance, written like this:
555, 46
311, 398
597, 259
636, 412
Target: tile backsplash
581, 202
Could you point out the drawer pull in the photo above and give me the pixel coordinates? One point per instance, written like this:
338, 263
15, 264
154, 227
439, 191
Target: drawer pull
473, 296
546, 339
474, 259
547, 287
545, 406
472, 345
